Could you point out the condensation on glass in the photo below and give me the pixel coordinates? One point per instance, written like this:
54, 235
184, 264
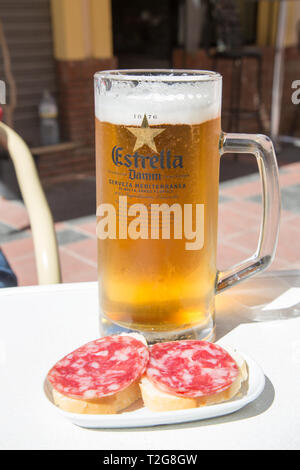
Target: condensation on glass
158, 148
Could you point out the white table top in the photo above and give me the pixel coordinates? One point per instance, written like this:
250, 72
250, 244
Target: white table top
38, 325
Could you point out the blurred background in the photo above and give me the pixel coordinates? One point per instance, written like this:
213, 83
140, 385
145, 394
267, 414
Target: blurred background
49, 51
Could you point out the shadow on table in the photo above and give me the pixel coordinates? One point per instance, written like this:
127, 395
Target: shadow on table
257, 407
269, 296
266, 297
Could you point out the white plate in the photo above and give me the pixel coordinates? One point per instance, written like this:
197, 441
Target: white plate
142, 417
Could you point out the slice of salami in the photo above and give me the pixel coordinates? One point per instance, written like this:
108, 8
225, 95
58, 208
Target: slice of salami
191, 368
100, 368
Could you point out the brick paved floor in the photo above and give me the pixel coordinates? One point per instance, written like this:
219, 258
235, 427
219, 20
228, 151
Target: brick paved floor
239, 219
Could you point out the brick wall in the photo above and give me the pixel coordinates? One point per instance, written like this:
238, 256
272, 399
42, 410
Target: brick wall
75, 87
200, 60
76, 104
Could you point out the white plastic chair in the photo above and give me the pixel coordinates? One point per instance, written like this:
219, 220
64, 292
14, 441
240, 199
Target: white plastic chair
41, 221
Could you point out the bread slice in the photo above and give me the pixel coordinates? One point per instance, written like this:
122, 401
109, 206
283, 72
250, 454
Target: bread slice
158, 400
107, 405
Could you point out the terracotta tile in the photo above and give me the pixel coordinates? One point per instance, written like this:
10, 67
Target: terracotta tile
83, 275
60, 226
85, 249
294, 266
239, 222
290, 178
13, 214
232, 223
18, 248
288, 249
75, 269
251, 209
243, 190
289, 243
290, 216
25, 270
292, 167
89, 228
229, 255
247, 241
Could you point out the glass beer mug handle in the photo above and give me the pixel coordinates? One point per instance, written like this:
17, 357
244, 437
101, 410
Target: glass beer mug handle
262, 148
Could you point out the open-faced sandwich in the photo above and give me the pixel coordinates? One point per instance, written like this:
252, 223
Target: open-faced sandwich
109, 374
188, 374
101, 377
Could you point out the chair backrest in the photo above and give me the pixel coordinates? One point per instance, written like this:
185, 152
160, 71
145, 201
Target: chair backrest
42, 226
224, 25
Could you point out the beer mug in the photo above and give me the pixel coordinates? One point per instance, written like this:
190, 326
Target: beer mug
158, 148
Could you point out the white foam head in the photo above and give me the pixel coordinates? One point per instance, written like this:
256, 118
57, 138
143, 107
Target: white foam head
164, 99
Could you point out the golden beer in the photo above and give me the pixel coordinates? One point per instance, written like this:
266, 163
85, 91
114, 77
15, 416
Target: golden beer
157, 284
158, 146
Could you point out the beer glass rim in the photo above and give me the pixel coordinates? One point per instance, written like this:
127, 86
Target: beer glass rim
159, 75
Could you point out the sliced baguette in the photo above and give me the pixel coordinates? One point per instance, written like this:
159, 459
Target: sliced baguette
107, 405
158, 400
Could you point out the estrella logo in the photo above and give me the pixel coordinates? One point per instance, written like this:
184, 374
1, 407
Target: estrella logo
164, 160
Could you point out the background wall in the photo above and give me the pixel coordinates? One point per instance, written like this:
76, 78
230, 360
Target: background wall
28, 31
59, 45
